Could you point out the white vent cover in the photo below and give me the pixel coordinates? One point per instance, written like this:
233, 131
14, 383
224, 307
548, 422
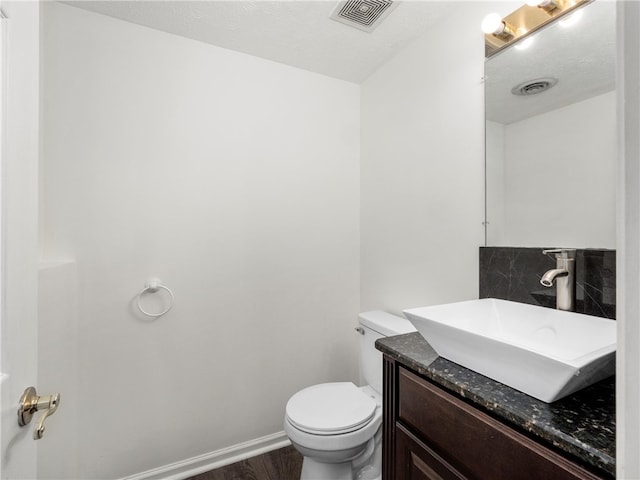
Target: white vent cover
363, 14
533, 87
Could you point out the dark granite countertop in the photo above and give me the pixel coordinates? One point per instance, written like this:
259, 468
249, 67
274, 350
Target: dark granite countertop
582, 425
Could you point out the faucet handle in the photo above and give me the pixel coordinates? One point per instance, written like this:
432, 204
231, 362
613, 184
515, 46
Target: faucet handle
561, 252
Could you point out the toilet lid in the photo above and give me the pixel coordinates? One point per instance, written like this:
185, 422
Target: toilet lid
330, 408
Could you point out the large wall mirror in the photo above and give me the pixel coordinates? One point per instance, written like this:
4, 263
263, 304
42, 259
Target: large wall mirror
551, 135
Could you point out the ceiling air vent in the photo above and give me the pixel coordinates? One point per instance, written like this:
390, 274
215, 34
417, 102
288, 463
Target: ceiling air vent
533, 87
362, 14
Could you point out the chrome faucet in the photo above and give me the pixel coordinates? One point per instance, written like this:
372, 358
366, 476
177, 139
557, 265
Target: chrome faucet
565, 277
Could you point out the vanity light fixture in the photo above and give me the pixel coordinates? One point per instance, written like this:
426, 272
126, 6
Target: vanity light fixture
547, 5
501, 32
493, 24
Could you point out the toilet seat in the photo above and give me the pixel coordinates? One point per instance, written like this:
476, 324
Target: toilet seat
330, 409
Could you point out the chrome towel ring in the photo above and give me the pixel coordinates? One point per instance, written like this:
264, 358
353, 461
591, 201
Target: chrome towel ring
152, 285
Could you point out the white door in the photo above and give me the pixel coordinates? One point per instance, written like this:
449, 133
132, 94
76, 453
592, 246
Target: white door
19, 239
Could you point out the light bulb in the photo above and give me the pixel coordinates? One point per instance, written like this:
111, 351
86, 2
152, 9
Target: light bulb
492, 23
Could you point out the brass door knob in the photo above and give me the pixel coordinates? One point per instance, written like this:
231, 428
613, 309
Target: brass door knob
30, 403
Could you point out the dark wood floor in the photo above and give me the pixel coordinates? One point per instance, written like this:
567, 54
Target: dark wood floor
282, 464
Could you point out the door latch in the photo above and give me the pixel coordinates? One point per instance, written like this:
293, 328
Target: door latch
30, 403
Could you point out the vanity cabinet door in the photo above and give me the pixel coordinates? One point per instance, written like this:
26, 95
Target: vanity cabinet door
416, 461
472, 442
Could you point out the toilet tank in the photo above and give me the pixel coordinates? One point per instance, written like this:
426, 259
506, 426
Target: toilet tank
377, 324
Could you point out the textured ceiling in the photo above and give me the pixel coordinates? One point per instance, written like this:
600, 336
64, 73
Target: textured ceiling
297, 33
581, 57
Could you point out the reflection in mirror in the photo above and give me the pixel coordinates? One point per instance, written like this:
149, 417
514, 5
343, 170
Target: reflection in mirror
551, 135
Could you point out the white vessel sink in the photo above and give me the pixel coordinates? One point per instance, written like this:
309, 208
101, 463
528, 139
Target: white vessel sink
542, 352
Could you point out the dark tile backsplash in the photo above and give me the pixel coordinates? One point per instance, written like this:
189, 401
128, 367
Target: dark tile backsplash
513, 273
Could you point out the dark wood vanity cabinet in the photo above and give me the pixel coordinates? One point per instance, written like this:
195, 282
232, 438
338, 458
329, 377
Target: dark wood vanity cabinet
431, 434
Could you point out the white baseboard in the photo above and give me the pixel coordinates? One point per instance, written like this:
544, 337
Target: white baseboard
210, 461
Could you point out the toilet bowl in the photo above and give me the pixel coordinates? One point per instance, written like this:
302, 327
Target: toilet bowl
333, 425
337, 426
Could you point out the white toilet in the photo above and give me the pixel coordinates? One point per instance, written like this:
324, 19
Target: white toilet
337, 426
